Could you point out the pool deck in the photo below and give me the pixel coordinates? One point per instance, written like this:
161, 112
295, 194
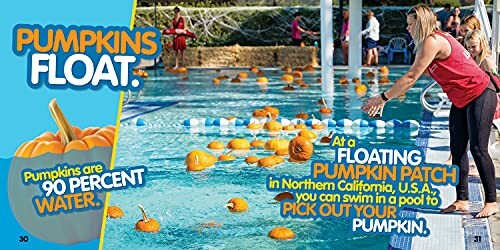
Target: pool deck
453, 231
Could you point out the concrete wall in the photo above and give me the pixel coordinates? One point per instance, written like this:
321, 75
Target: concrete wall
239, 56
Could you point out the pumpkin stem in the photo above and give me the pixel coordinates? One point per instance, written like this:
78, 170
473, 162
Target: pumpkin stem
231, 205
144, 216
323, 100
67, 133
270, 117
230, 151
313, 116
196, 161
330, 135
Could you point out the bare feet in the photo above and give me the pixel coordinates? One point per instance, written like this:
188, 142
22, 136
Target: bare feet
457, 206
488, 210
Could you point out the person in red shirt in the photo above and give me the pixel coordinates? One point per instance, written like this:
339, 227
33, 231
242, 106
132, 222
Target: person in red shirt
470, 90
179, 41
297, 30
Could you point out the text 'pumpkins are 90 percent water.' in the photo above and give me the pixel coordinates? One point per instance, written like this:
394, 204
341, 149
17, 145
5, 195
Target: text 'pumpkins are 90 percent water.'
72, 146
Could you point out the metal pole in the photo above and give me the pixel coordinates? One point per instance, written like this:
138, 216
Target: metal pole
495, 31
355, 52
327, 51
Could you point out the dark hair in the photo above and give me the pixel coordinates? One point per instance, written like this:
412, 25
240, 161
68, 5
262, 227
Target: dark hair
297, 14
176, 9
447, 6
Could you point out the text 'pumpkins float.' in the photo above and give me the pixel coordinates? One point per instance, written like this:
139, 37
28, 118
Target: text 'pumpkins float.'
70, 146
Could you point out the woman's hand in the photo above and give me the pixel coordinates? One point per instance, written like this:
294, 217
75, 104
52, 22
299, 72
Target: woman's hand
374, 106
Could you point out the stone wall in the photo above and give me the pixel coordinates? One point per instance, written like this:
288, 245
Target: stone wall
243, 56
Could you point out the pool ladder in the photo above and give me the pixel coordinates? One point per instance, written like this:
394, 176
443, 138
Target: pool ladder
128, 96
442, 108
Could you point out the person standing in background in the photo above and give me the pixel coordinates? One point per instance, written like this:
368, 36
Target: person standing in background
443, 16
344, 36
179, 41
372, 36
297, 30
453, 23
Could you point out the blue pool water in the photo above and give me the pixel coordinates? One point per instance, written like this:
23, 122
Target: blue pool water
182, 201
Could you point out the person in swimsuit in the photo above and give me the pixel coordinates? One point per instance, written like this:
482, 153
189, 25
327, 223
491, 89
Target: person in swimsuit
470, 90
453, 23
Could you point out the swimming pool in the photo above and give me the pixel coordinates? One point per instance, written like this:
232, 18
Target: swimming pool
183, 201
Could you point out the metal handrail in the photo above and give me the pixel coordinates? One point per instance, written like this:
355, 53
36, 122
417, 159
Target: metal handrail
432, 107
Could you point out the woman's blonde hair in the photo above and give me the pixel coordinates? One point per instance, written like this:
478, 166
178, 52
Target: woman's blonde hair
424, 26
472, 22
478, 35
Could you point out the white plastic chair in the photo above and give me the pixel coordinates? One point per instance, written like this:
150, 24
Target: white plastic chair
397, 45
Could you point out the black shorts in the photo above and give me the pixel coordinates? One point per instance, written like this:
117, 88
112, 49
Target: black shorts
296, 42
371, 44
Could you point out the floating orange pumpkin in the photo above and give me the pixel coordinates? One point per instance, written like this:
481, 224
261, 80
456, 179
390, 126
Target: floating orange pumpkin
308, 134
302, 115
211, 224
360, 89
300, 149
275, 112
215, 81
288, 88
273, 126
198, 160
326, 139
284, 196
215, 145
303, 85
182, 70
297, 74
281, 233
146, 224
257, 143
235, 80
261, 73
185, 78
276, 144
254, 126
384, 70
325, 110
251, 159
281, 152
300, 126
287, 78
309, 68
217, 70
260, 113
238, 143
318, 126
67, 139
223, 77
140, 73
356, 80
226, 157
262, 80
286, 69
254, 69
288, 127
370, 74
114, 212
298, 81
318, 79
299, 69
270, 161
371, 82
237, 205
384, 80
343, 80
321, 102
242, 75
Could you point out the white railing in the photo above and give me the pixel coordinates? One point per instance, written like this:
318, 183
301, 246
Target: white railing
440, 109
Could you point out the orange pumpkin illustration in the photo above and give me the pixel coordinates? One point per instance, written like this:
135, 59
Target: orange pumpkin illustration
68, 138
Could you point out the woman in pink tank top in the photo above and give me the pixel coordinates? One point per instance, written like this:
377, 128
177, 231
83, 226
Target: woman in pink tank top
469, 89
